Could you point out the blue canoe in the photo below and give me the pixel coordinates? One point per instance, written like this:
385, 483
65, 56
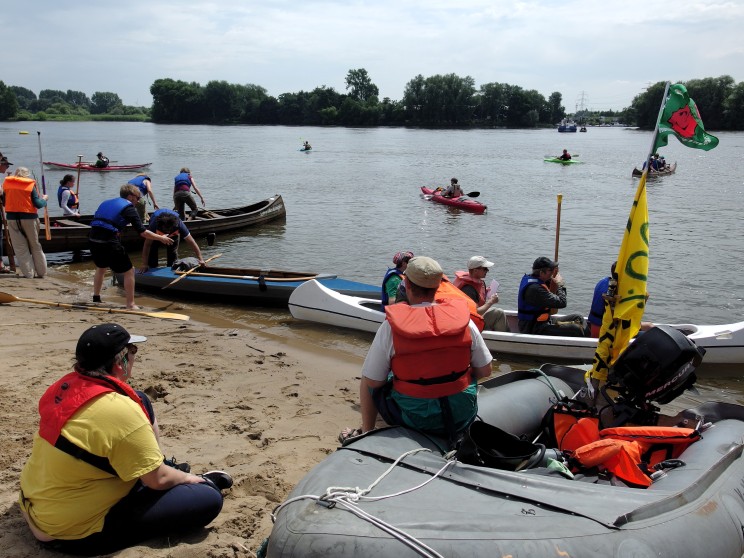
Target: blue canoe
261, 287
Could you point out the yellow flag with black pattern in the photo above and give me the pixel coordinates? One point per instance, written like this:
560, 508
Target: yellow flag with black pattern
622, 324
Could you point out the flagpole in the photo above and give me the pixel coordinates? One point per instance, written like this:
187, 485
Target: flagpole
656, 128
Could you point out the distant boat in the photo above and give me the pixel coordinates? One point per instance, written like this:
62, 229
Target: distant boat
654, 173
93, 168
567, 126
583, 129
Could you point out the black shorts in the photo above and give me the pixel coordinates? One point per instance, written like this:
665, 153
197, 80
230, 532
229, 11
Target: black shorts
110, 254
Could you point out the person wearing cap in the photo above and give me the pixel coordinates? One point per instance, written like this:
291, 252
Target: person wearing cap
422, 368
96, 480
143, 182
394, 276
166, 221
473, 283
541, 293
101, 161
22, 201
453, 190
4, 164
105, 246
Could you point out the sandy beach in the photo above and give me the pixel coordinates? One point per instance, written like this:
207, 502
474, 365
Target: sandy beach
262, 408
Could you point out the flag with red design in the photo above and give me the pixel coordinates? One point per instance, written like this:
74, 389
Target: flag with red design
681, 119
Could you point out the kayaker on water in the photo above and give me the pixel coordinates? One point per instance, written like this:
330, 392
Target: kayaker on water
453, 190
102, 161
306, 146
565, 156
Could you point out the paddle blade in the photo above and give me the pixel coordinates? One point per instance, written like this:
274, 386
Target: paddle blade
473, 194
6, 297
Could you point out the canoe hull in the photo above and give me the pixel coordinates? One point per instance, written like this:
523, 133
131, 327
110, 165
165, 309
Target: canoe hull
694, 510
461, 203
244, 285
654, 174
561, 161
724, 344
92, 168
70, 235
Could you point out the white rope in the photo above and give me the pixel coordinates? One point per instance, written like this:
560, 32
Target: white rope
346, 498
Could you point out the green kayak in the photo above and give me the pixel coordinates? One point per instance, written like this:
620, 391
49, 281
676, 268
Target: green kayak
561, 161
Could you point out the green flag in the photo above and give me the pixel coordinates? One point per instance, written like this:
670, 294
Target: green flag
681, 119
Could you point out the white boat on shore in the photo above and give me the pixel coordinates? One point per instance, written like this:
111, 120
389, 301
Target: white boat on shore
724, 344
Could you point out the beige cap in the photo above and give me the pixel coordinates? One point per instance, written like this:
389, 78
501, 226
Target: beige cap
478, 261
424, 272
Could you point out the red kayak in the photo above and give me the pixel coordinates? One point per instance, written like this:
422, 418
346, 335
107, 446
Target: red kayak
92, 168
462, 203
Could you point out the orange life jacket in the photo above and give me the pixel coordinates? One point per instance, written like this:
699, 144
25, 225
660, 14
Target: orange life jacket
432, 348
18, 194
448, 291
463, 278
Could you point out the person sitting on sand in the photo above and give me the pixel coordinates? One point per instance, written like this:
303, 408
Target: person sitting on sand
101, 161
96, 480
424, 379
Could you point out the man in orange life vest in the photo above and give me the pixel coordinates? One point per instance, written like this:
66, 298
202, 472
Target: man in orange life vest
540, 294
472, 283
422, 368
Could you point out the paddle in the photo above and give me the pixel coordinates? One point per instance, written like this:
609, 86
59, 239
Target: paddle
469, 195
558, 227
48, 231
190, 271
5, 298
77, 184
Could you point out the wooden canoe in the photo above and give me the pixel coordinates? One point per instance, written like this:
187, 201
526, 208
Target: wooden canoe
653, 173
71, 235
86, 167
724, 344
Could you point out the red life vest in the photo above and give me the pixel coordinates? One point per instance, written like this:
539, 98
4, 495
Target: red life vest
18, 194
432, 348
463, 278
447, 291
64, 397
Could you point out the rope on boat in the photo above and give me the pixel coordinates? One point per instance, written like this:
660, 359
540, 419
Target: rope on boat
346, 498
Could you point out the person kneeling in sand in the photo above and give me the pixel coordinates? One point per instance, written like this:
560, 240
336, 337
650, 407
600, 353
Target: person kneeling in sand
408, 377
96, 480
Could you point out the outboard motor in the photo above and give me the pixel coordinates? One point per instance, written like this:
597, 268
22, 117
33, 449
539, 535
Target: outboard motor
657, 367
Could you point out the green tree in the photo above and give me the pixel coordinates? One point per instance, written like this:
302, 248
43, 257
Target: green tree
178, 102
77, 99
26, 98
8, 103
440, 100
733, 109
644, 110
223, 102
709, 95
556, 111
361, 86
103, 102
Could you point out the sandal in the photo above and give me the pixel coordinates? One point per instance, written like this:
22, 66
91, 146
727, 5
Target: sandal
5, 270
349, 433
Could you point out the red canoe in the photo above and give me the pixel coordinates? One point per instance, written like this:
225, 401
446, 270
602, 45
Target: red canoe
462, 203
92, 168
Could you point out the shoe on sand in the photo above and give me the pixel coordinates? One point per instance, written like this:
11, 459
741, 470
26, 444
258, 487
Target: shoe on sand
220, 479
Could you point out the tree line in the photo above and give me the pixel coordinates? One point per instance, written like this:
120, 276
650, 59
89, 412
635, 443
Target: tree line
438, 101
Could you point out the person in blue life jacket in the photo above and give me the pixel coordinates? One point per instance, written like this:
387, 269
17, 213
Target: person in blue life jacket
394, 276
143, 182
66, 198
565, 156
101, 161
605, 287
110, 219
183, 183
541, 294
166, 221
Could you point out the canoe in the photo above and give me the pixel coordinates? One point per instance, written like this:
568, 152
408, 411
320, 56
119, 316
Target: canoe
654, 174
71, 235
316, 303
462, 203
561, 161
265, 287
393, 492
92, 168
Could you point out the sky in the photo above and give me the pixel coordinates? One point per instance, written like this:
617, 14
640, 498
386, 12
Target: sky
599, 54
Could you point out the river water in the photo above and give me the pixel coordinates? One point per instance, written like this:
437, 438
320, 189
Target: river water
354, 200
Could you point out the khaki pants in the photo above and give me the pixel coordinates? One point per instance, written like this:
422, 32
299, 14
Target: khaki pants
495, 320
24, 234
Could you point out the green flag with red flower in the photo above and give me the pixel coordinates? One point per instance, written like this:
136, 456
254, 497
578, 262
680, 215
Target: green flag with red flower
681, 118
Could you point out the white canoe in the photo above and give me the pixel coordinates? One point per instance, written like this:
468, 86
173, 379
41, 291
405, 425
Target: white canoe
724, 344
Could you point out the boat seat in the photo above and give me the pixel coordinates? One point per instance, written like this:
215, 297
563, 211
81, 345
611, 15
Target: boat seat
69, 223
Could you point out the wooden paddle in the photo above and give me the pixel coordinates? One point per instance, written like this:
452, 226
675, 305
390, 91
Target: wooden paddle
190, 271
47, 228
573, 156
252, 277
5, 298
558, 227
77, 183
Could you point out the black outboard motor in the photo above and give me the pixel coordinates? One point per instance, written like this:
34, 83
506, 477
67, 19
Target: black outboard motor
657, 367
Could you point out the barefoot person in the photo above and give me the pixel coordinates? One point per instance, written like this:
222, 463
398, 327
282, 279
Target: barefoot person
96, 480
105, 246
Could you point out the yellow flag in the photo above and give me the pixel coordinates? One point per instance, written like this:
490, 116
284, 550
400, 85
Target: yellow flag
622, 324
